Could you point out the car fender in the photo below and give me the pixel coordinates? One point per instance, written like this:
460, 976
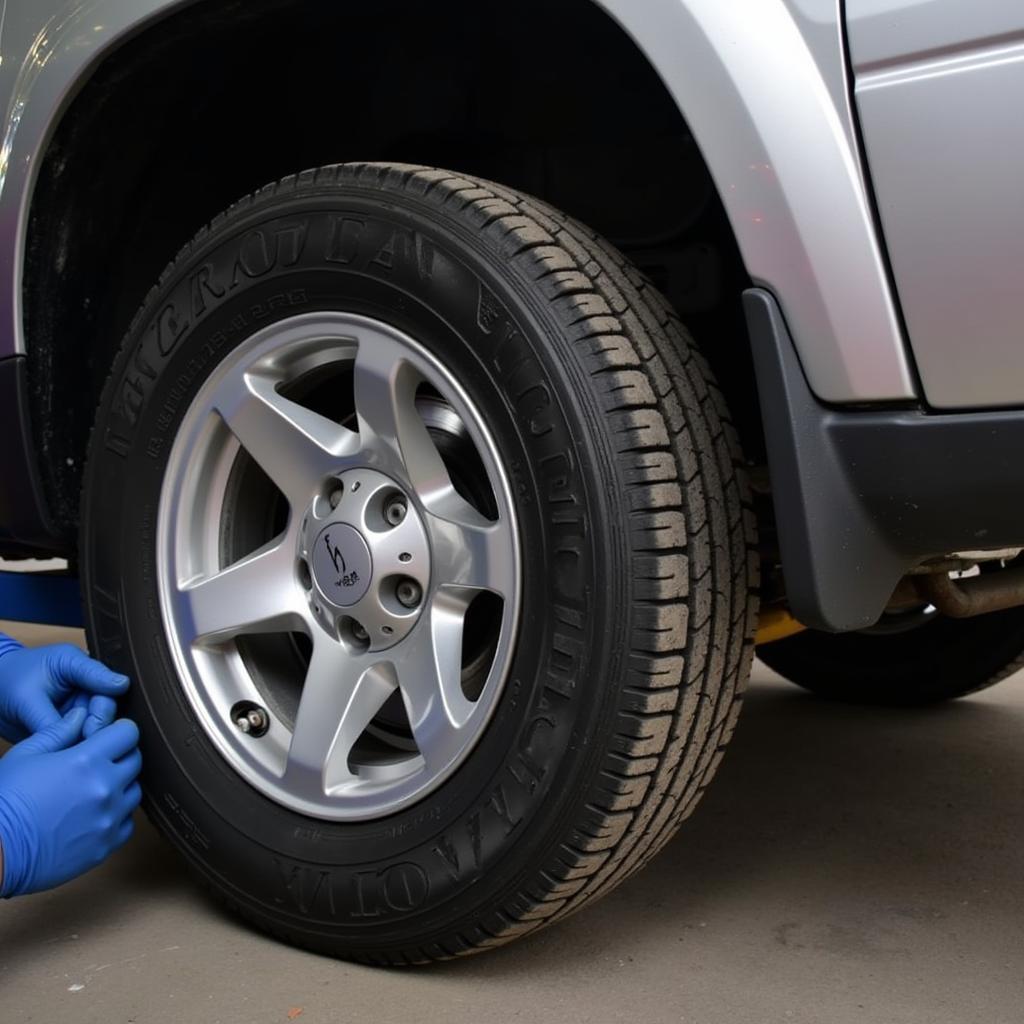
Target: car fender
757, 82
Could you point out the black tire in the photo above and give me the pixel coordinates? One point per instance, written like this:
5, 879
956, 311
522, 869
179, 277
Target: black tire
940, 659
639, 597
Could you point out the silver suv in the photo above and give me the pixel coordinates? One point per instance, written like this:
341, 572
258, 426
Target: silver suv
432, 511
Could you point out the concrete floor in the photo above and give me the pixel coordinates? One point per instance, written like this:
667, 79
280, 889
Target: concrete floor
847, 866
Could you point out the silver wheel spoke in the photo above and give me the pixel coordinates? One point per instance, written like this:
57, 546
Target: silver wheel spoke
341, 695
390, 426
256, 595
469, 550
429, 672
371, 555
295, 447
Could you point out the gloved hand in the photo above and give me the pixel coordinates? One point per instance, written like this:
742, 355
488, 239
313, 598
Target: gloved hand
66, 804
99, 711
38, 685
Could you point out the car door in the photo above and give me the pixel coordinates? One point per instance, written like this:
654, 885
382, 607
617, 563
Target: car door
939, 87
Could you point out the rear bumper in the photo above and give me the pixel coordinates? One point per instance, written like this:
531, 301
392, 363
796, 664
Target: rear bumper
863, 496
25, 526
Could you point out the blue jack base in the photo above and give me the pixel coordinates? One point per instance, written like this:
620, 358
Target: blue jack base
51, 599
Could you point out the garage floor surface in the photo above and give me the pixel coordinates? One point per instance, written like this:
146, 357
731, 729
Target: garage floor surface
847, 865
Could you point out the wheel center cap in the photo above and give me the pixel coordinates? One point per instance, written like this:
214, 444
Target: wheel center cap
368, 560
341, 563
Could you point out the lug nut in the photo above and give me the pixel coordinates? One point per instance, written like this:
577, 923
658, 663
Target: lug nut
335, 497
409, 593
394, 510
359, 632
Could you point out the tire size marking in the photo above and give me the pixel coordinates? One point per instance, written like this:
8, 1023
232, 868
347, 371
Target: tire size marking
185, 826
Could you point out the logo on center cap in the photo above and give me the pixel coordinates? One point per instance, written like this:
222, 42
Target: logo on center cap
341, 564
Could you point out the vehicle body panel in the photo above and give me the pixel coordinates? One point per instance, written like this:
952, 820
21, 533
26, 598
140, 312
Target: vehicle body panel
48, 51
938, 88
759, 83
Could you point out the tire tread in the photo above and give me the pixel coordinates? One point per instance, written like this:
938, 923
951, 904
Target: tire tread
690, 530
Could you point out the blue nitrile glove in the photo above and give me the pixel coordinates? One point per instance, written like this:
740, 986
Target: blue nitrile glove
100, 711
38, 685
65, 803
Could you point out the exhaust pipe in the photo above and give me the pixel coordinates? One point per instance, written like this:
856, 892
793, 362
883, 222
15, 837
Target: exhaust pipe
977, 595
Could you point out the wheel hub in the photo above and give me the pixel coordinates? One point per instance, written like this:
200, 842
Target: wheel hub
362, 562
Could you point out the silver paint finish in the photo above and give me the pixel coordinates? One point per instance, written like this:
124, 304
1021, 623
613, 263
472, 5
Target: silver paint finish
310, 764
764, 114
939, 87
885, 33
48, 50
760, 83
819, 22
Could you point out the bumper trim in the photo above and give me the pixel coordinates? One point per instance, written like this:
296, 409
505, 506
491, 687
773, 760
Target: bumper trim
862, 496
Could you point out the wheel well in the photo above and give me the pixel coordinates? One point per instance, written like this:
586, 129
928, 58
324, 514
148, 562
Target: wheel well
220, 98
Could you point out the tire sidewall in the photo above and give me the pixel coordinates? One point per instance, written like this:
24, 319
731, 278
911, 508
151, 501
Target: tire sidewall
436, 281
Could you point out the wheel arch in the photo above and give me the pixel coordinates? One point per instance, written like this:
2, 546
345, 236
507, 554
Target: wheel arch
712, 61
